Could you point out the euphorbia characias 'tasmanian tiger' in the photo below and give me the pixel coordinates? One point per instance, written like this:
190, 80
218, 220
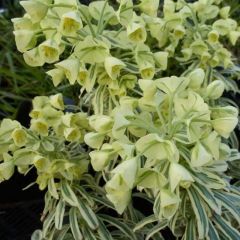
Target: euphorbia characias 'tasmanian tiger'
150, 123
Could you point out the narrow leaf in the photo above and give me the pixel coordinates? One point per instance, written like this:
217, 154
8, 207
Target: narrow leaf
59, 214
73, 219
68, 194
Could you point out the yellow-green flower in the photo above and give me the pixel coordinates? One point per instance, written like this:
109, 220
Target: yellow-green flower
49, 51
25, 40
19, 137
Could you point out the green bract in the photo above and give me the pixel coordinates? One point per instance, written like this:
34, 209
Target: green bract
150, 123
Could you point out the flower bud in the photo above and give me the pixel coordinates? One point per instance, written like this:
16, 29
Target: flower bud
224, 120
101, 123
57, 76
149, 7
57, 101
35, 9
215, 89
234, 36
100, 159
94, 140
161, 60
196, 78
70, 68
200, 156
24, 39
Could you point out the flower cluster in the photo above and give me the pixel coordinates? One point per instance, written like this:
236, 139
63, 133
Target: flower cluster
156, 123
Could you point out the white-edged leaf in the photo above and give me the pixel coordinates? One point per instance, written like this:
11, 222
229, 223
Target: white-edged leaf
68, 194
208, 196
52, 188
226, 228
190, 231
88, 215
200, 213
48, 222
103, 231
147, 220
156, 229
73, 219
59, 214
62, 233
37, 235
116, 222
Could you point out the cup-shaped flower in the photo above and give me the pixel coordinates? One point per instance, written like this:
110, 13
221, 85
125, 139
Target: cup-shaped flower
92, 50
101, 123
136, 32
41, 163
72, 134
118, 193
147, 69
199, 47
49, 51
224, 120
101, 158
94, 140
19, 137
161, 60
200, 156
70, 23
222, 26
70, 68
155, 148
57, 101
39, 126
113, 66
179, 175
57, 76
169, 203
149, 7
25, 40
128, 171
213, 36
33, 58
196, 78
36, 9
215, 89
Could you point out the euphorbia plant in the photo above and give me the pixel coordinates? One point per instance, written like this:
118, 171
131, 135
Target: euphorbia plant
150, 122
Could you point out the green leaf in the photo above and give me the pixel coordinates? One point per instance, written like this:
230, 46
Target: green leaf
37, 235
88, 215
74, 224
59, 214
68, 194
208, 196
200, 213
85, 195
147, 220
212, 233
88, 234
116, 222
156, 229
226, 228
